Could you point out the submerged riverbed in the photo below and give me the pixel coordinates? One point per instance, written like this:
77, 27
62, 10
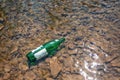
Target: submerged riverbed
91, 28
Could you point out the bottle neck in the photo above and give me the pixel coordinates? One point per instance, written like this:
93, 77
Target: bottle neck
61, 40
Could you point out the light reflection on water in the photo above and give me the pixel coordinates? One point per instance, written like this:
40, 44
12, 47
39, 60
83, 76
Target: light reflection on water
92, 66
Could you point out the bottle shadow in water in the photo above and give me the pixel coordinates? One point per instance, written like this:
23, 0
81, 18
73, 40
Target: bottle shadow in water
30, 64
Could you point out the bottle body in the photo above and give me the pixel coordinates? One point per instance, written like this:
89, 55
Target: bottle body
46, 49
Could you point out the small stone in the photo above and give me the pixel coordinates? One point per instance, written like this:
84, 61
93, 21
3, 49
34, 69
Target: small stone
72, 52
72, 77
45, 73
1, 78
7, 68
3, 5
6, 76
19, 59
20, 77
29, 75
68, 62
55, 67
13, 8
71, 46
49, 79
1, 26
30, 3
14, 61
23, 66
1, 66
13, 49
47, 60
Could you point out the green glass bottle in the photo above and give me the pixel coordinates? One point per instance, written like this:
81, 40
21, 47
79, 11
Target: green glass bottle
46, 49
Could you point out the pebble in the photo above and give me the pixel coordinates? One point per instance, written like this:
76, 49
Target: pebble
13, 8
68, 62
71, 46
49, 79
72, 77
30, 3
23, 66
7, 68
20, 77
29, 75
1, 26
72, 52
55, 67
13, 59
14, 48
3, 5
6, 76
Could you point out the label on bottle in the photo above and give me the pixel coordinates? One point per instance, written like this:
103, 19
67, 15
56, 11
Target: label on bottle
37, 48
41, 54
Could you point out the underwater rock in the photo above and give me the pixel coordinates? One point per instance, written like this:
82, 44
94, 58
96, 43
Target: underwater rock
6, 76
72, 77
55, 66
23, 66
29, 75
1, 26
7, 68
49, 79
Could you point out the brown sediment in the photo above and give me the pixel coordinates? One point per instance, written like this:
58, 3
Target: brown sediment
91, 49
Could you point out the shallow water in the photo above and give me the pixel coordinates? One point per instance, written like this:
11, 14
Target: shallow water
91, 28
